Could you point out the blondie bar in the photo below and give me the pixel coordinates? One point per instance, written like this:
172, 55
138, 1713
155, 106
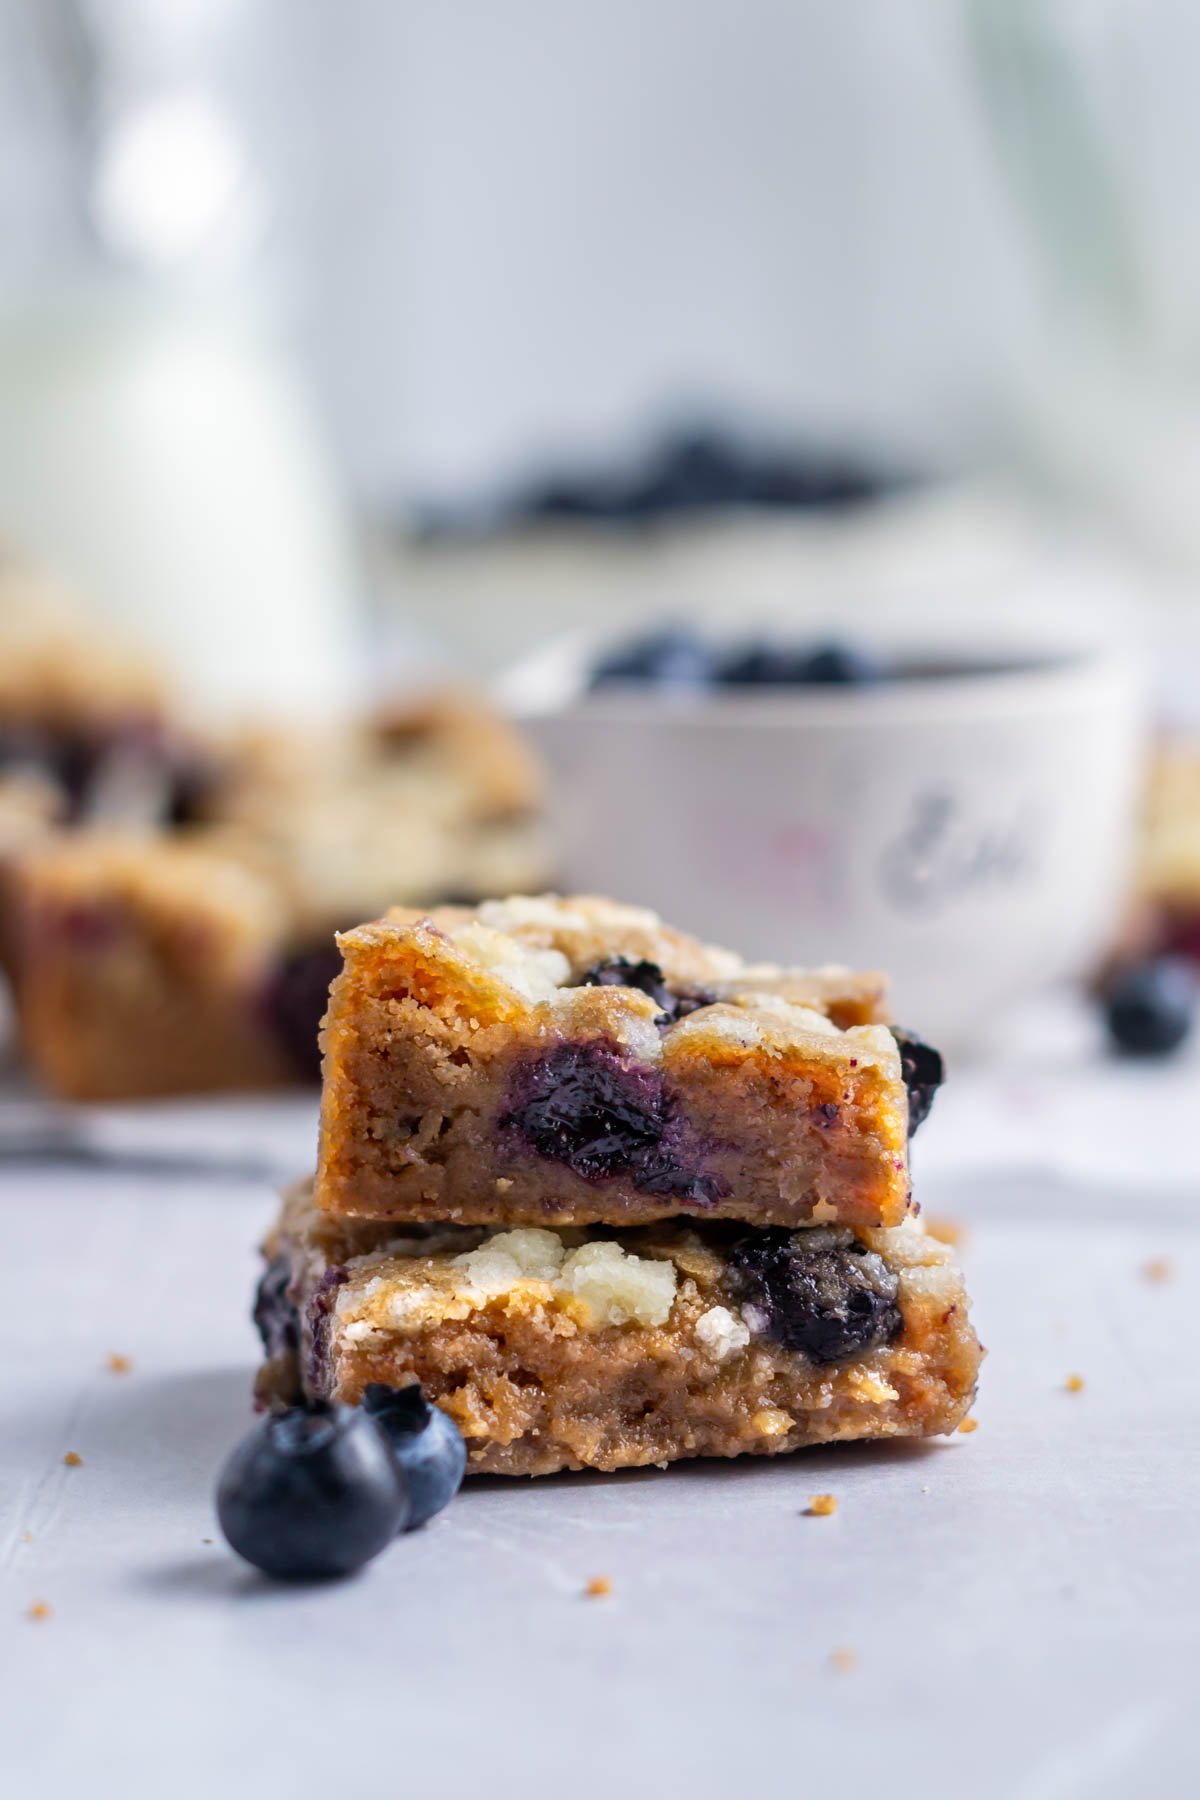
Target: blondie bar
580, 1349
200, 959
545, 1060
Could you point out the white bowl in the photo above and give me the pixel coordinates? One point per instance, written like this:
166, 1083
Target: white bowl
970, 832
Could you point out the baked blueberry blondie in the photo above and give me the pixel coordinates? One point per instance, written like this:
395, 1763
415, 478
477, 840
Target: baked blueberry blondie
200, 959
580, 1348
543, 1060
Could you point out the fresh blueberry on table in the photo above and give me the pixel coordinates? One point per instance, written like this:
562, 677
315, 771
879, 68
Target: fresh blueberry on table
314, 1491
426, 1444
674, 658
1149, 1007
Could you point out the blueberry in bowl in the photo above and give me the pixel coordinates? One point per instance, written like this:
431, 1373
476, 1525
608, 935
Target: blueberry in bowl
426, 1444
313, 1492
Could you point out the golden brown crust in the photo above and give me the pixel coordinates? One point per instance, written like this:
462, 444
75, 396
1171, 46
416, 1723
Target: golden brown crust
775, 1113
537, 1381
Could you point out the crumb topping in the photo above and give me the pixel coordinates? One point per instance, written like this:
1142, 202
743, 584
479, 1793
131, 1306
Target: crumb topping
615, 1286
721, 1333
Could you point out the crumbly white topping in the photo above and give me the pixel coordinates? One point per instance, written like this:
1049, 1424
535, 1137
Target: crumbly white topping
537, 974
511, 1256
720, 1333
615, 1286
620, 1289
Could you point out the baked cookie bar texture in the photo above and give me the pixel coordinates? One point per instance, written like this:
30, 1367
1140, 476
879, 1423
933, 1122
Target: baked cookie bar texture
542, 1060
578, 1349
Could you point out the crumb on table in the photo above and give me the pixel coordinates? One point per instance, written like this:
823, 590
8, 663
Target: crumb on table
118, 1364
1159, 1268
968, 1425
822, 1505
1074, 1384
40, 1610
843, 1659
598, 1587
73, 1459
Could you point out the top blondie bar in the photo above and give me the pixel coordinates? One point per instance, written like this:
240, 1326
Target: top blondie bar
542, 1060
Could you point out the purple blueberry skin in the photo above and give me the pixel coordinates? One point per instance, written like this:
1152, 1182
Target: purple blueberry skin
826, 1303
1150, 1007
426, 1443
604, 1115
312, 1493
296, 1001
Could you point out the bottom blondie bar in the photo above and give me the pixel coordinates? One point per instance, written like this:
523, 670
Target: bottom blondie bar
579, 1349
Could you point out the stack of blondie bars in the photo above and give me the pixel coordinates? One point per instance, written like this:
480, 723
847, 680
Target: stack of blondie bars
614, 1197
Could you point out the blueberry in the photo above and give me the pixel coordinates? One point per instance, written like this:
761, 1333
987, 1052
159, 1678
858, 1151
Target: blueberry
425, 1442
275, 1317
1150, 1006
592, 1108
839, 665
762, 664
923, 1071
827, 1302
674, 658
759, 664
620, 971
296, 1001
313, 1491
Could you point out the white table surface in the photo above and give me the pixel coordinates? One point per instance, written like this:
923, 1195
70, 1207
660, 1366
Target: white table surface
1022, 1604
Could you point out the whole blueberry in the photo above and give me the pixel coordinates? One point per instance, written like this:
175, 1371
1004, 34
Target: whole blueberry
672, 658
759, 664
314, 1491
839, 665
923, 1071
1150, 1006
296, 997
426, 1444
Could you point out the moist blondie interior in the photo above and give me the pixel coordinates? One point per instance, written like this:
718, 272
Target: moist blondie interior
545, 1060
582, 1349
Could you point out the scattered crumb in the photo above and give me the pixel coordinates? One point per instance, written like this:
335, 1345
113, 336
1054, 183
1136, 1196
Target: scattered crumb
598, 1587
968, 1425
843, 1659
39, 1610
1074, 1384
947, 1231
119, 1365
27, 1537
821, 1505
1159, 1268
206, 1540
73, 1459
927, 1490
